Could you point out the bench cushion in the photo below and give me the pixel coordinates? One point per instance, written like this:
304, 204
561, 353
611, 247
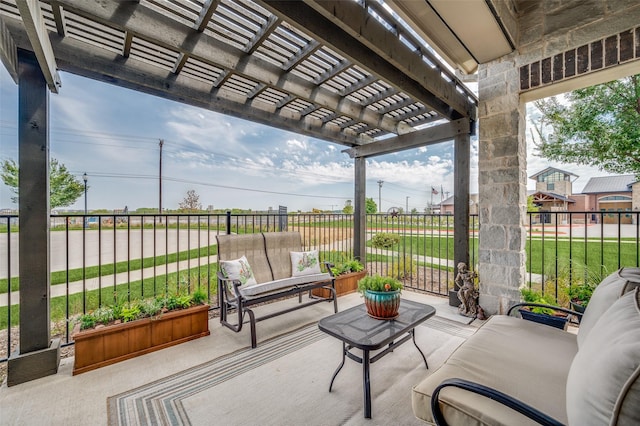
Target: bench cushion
262, 288
304, 263
603, 386
526, 360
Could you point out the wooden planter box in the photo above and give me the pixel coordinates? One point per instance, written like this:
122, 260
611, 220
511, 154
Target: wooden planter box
550, 320
345, 284
97, 348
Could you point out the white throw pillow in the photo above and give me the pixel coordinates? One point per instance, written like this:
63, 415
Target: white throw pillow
304, 263
238, 269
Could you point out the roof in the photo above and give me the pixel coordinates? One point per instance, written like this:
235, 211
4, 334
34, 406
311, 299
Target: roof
317, 69
619, 183
554, 196
551, 169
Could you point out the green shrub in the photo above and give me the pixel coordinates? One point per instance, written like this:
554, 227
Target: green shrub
405, 267
385, 240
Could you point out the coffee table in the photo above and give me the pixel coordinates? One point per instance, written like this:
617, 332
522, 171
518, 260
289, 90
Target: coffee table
356, 329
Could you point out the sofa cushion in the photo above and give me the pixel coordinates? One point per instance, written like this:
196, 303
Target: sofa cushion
238, 269
262, 288
603, 386
304, 263
605, 295
526, 360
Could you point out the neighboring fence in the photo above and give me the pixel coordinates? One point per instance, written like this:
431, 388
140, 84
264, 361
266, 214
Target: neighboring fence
101, 259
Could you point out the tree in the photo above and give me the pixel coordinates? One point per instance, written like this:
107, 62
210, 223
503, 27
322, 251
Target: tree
191, 202
64, 188
371, 206
599, 126
531, 206
348, 208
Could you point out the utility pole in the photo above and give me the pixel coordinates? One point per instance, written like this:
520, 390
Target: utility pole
407, 206
380, 182
160, 182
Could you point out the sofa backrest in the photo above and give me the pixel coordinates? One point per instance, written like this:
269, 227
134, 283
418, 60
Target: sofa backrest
603, 386
231, 247
605, 295
279, 246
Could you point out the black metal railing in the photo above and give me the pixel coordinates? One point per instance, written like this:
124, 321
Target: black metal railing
103, 259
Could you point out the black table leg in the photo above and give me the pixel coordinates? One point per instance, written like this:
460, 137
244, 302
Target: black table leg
366, 384
413, 334
344, 352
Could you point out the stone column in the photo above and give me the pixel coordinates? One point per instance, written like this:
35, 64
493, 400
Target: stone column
502, 185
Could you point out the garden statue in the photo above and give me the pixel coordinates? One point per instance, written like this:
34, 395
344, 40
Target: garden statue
467, 293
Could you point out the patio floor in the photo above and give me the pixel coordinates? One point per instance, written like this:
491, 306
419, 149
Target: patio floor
228, 383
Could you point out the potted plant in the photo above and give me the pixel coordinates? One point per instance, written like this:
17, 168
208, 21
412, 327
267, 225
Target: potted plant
541, 314
580, 294
346, 273
381, 296
114, 333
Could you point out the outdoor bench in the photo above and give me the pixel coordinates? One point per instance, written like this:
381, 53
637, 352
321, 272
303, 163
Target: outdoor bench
261, 267
518, 372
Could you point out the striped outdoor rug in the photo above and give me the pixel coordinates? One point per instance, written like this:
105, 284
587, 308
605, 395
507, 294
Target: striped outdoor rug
160, 402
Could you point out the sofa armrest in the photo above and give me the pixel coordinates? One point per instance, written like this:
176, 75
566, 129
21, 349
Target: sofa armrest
329, 265
490, 393
578, 315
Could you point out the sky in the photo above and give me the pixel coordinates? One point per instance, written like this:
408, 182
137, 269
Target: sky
112, 134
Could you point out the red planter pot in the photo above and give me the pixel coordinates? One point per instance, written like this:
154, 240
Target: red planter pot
382, 304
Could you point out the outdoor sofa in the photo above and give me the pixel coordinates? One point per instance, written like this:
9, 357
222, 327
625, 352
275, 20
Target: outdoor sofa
512, 366
262, 267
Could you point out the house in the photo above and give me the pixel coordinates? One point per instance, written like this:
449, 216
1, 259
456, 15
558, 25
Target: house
613, 194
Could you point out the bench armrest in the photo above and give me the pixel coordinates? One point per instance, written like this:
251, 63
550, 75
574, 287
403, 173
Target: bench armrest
224, 284
502, 398
329, 265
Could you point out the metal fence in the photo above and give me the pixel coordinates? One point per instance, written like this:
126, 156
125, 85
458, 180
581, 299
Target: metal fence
106, 259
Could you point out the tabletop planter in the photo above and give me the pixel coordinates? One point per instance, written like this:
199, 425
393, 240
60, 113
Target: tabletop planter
381, 296
102, 346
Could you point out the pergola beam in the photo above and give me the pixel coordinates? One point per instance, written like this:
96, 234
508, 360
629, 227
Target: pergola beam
33, 22
349, 29
108, 67
206, 13
168, 33
8, 52
428, 136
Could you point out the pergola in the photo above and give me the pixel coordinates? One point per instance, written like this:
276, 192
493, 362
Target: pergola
327, 70
348, 72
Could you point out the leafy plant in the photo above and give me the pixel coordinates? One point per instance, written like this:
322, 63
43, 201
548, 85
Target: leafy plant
346, 267
141, 309
378, 283
385, 240
533, 296
130, 313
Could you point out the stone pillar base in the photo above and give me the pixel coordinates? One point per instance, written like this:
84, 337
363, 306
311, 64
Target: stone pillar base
33, 365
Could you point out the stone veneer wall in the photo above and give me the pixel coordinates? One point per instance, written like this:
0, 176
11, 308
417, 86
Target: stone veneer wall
546, 28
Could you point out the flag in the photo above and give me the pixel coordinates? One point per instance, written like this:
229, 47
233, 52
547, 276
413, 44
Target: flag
434, 191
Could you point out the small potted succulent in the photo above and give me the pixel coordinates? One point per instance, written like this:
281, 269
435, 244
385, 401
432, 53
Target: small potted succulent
381, 296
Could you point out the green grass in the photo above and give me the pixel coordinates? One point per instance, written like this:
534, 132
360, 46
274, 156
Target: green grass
60, 277
597, 254
160, 285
